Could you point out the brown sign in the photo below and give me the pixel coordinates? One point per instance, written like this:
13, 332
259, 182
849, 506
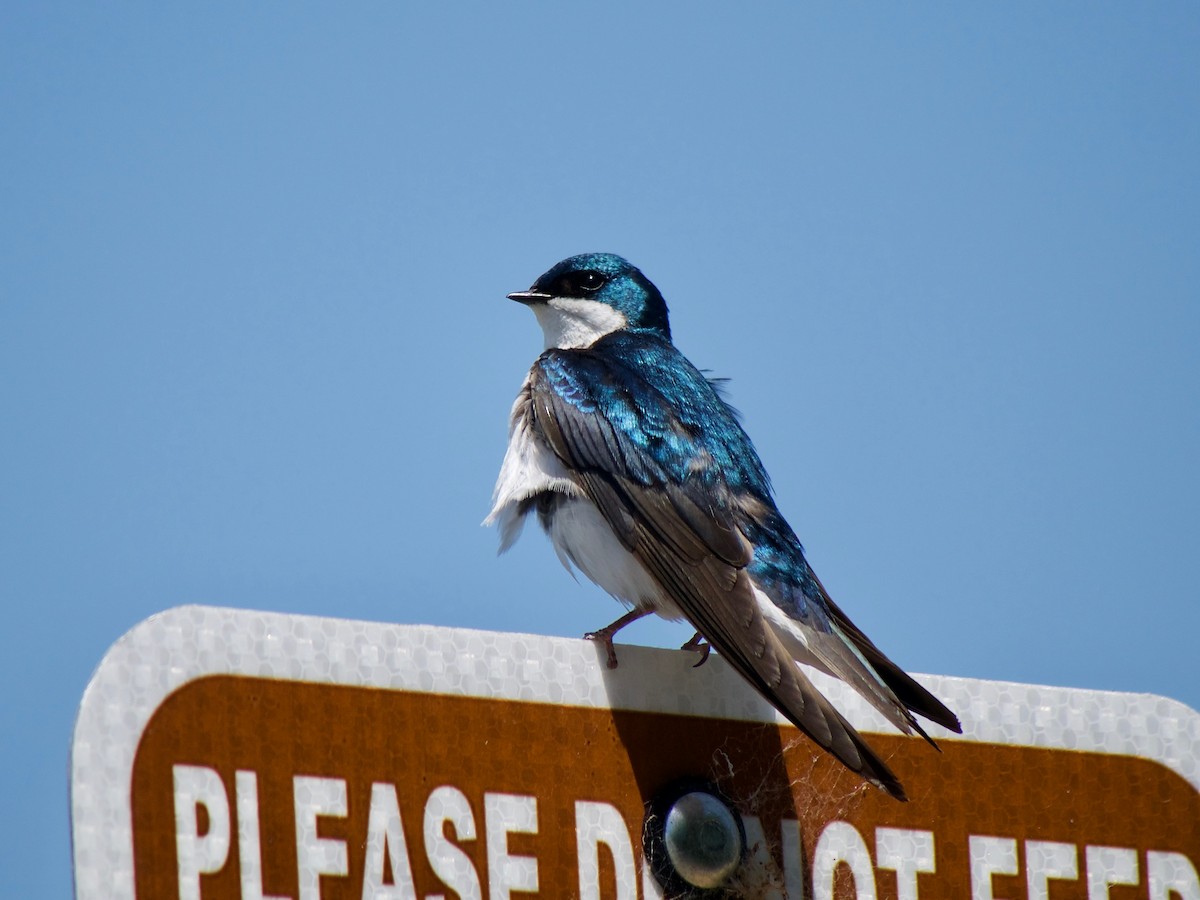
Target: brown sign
253, 788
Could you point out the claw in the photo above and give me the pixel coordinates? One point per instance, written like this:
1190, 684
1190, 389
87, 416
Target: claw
605, 634
699, 645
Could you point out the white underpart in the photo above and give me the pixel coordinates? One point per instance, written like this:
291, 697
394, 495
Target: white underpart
529, 468
580, 535
792, 633
569, 323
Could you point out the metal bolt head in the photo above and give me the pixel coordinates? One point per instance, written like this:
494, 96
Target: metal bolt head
703, 839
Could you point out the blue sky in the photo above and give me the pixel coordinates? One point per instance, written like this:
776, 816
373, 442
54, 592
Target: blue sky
255, 351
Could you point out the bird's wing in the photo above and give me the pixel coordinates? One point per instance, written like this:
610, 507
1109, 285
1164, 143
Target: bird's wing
682, 530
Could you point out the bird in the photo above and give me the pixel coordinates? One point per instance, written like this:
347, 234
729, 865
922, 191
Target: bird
644, 479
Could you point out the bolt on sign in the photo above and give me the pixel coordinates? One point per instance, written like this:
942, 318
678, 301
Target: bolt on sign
232, 754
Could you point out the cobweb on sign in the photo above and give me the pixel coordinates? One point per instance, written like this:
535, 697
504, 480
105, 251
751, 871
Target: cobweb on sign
797, 784
809, 783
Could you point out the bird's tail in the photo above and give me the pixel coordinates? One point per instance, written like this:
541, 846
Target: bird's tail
750, 642
851, 656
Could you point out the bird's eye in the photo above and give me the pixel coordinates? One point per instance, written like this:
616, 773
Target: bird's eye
590, 281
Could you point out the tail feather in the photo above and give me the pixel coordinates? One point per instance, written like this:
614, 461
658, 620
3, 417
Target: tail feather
906, 689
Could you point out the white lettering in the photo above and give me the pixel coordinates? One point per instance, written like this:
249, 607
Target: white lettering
1171, 873
1045, 860
1107, 866
839, 843
907, 853
758, 875
792, 846
249, 845
385, 840
316, 856
448, 861
651, 889
596, 824
505, 814
196, 854
990, 856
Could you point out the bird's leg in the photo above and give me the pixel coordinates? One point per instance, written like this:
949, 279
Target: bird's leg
605, 634
699, 645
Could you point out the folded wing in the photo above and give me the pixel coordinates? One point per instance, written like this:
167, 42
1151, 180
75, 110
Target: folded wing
684, 532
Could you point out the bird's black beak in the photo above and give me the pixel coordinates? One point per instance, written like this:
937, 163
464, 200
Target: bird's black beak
529, 297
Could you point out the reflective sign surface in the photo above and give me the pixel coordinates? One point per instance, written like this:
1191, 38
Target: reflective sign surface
233, 754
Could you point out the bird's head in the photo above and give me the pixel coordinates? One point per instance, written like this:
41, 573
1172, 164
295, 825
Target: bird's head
585, 297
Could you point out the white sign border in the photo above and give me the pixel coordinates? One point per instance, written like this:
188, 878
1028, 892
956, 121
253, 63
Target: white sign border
168, 650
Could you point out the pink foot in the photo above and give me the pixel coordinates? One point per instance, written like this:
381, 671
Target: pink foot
605, 634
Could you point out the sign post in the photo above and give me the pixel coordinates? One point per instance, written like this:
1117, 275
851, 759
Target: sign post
232, 754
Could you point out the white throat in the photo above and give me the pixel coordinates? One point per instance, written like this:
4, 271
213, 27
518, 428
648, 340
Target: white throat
570, 323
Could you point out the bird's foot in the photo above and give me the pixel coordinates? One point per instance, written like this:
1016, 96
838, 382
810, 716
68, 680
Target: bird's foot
699, 645
605, 634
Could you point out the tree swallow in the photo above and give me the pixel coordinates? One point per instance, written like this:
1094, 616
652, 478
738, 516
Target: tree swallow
644, 480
